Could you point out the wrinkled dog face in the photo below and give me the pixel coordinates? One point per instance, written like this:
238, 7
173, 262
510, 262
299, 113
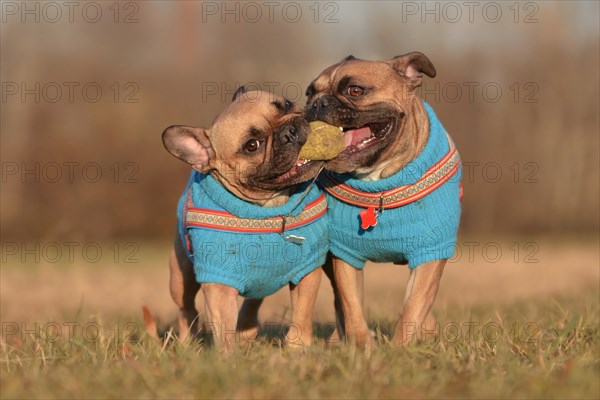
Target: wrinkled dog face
252, 145
369, 100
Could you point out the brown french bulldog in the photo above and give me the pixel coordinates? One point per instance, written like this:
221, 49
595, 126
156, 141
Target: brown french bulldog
248, 189
393, 193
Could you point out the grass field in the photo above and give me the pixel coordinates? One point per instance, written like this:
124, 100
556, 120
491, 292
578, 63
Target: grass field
509, 329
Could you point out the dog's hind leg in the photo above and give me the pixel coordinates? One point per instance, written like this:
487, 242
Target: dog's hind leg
422, 287
183, 288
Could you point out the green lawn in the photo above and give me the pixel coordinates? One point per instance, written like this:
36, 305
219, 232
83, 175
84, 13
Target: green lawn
543, 349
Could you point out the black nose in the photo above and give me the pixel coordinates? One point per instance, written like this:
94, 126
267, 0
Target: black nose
320, 103
322, 108
289, 135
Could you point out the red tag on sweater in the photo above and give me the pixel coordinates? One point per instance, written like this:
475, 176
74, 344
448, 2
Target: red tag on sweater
368, 218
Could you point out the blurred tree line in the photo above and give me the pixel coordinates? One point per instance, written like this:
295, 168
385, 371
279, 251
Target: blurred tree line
521, 101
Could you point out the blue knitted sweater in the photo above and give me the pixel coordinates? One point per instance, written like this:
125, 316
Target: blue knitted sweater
256, 264
416, 233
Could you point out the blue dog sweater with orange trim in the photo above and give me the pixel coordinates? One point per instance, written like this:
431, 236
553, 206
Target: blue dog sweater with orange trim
417, 210
239, 244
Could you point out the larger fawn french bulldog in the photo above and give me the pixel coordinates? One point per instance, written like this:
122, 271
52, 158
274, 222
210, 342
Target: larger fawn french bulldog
394, 191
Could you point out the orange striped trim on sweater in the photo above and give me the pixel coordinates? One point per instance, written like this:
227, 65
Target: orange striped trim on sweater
434, 177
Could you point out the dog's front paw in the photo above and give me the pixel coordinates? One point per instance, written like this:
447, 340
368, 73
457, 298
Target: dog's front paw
298, 339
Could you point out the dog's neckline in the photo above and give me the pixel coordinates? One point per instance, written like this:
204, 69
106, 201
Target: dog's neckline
207, 186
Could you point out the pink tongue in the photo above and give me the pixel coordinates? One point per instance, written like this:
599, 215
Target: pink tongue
355, 136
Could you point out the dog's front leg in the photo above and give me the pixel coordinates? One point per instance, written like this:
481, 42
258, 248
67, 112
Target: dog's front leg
303, 295
221, 315
339, 332
421, 290
349, 284
248, 319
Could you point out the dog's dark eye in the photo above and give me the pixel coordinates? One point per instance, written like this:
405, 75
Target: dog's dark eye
355, 91
252, 145
288, 105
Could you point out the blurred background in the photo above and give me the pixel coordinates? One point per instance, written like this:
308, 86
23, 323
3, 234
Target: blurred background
88, 87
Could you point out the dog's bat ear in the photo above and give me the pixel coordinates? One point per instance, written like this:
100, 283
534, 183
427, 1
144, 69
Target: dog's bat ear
190, 145
413, 65
241, 90
349, 58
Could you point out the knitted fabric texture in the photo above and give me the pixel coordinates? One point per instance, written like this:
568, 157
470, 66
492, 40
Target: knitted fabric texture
256, 264
416, 233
